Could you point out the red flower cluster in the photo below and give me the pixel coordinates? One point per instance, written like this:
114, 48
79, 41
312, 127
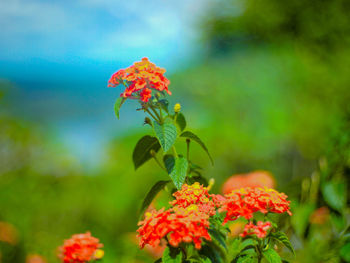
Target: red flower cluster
246, 201
199, 195
260, 230
81, 248
140, 79
182, 224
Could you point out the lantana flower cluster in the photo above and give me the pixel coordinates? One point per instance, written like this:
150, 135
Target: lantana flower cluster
140, 79
245, 202
188, 218
186, 221
260, 229
81, 248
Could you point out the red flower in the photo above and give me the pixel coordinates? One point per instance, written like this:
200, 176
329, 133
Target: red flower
80, 248
199, 195
140, 79
246, 201
179, 224
260, 230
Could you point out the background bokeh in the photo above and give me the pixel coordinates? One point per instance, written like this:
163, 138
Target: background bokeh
266, 84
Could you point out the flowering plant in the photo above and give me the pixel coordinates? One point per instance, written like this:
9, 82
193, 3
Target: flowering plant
81, 248
196, 225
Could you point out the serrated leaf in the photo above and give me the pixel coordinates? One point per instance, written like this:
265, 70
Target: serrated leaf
172, 256
118, 103
156, 188
215, 234
177, 169
211, 253
334, 194
192, 136
166, 134
143, 148
181, 121
272, 256
246, 259
282, 237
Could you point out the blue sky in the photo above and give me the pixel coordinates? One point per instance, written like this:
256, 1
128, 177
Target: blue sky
59, 55
88, 31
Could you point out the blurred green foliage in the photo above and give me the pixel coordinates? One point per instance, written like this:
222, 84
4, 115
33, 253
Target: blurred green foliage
272, 92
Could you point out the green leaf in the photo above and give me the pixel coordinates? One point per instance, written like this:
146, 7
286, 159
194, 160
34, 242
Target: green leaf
181, 121
143, 148
166, 134
151, 194
246, 259
164, 104
118, 103
192, 136
334, 194
345, 252
282, 237
215, 234
172, 255
272, 256
177, 169
198, 178
300, 218
205, 259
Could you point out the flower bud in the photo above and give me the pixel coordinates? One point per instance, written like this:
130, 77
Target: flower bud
148, 121
99, 254
211, 183
177, 107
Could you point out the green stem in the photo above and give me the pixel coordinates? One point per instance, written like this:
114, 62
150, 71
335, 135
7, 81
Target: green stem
157, 114
158, 162
188, 149
174, 151
150, 113
258, 249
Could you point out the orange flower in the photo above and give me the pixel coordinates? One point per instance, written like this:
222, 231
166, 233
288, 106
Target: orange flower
253, 179
140, 79
179, 224
80, 248
8, 233
320, 216
260, 230
246, 201
34, 258
199, 195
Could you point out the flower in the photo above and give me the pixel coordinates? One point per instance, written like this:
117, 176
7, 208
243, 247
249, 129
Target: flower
246, 201
196, 194
34, 258
80, 248
253, 179
179, 224
8, 233
140, 79
177, 107
260, 230
320, 216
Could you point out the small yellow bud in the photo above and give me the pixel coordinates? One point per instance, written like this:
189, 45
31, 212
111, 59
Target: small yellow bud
177, 107
99, 253
211, 183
